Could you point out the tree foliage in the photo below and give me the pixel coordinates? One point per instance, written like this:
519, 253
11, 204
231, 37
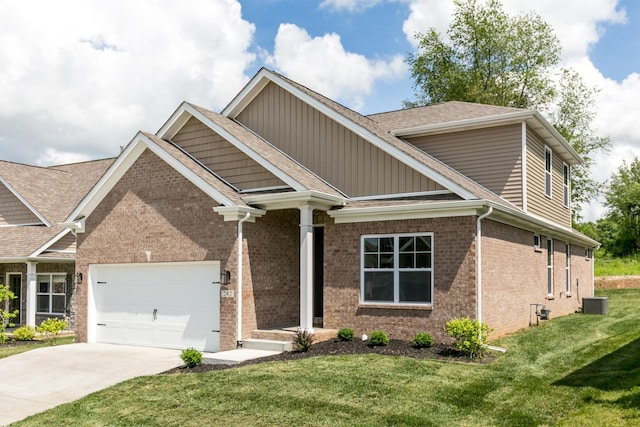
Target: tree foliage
622, 197
490, 57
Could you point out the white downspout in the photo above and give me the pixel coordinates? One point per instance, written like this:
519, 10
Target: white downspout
239, 290
479, 262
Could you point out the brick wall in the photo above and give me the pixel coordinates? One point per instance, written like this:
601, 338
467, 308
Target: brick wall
514, 276
454, 278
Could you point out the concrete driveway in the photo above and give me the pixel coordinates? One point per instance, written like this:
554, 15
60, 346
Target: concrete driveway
47, 377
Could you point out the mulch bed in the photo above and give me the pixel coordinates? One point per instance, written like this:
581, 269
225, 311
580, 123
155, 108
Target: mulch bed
335, 347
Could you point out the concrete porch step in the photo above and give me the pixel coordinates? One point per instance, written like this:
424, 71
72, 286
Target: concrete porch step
287, 334
266, 344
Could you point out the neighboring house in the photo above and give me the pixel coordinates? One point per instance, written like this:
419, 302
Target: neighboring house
326, 218
37, 254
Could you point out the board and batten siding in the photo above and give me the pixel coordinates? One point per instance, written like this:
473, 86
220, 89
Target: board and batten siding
222, 157
13, 211
492, 157
331, 151
66, 244
537, 202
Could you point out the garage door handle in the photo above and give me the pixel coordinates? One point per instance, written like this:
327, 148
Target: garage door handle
155, 314
102, 324
216, 330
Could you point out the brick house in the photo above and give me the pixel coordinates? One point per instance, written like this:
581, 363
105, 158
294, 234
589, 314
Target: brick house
288, 209
37, 254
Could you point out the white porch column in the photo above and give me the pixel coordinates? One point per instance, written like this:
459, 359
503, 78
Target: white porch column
306, 268
31, 293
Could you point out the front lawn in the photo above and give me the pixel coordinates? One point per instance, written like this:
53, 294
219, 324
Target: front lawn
579, 370
17, 347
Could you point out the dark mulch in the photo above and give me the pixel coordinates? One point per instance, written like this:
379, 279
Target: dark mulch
336, 347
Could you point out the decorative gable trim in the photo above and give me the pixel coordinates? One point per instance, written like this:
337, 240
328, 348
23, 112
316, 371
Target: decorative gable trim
262, 78
25, 202
123, 163
186, 111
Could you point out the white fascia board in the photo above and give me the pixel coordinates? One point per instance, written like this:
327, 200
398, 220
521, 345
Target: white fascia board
236, 213
256, 85
404, 212
25, 202
290, 181
297, 199
402, 195
250, 91
173, 125
51, 241
124, 162
573, 156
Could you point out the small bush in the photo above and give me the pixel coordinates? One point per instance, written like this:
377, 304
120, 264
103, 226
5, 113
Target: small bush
470, 336
422, 340
50, 328
25, 333
303, 340
191, 357
379, 338
346, 334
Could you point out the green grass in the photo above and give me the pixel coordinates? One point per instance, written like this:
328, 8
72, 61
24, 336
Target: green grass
629, 266
10, 351
577, 370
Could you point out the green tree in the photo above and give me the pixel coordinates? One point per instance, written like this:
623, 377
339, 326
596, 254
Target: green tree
490, 57
622, 197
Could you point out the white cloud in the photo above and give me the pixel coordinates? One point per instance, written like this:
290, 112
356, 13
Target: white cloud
84, 75
323, 64
52, 156
349, 5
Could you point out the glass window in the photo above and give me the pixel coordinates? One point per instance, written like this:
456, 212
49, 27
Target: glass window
567, 251
565, 185
51, 297
548, 162
397, 269
550, 266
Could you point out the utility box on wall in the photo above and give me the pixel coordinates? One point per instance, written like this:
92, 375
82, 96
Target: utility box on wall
595, 305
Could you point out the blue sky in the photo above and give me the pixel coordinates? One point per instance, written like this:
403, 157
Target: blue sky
68, 98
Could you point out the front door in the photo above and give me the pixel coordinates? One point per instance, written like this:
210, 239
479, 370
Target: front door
14, 281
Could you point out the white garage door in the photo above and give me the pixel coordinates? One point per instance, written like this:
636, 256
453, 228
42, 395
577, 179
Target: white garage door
171, 305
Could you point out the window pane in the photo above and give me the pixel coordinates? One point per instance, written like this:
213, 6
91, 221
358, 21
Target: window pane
386, 244
58, 287
378, 286
58, 304
43, 285
371, 244
415, 286
423, 260
407, 244
386, 260
371, 261
423, 243
406, 260
43, 303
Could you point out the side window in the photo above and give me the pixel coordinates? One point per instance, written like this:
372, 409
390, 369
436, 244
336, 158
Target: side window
566, 179
536, 242
550, 266
548, 162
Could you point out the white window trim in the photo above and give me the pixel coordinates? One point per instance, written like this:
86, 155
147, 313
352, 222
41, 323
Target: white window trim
587, 253
396, 270
566, 186
536, 245
567, 252
50, 294
548, 174
550, 267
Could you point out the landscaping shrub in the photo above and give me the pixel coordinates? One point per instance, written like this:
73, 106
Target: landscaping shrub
422, 340
50, 328
25, 333
379, 338
303, 340
5, 315
191, 357
346, 334
470, 336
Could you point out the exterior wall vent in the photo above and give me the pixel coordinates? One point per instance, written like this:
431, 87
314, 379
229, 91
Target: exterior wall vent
595, 305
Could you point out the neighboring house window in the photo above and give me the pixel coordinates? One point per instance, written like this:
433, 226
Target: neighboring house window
397, 269
547, 171
536, 242
550, 266
567, 251
566, 195
52, 297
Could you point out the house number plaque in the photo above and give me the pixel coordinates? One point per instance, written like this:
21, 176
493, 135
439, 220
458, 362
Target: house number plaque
227, 293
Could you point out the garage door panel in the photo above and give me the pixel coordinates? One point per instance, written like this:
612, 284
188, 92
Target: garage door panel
163, 305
